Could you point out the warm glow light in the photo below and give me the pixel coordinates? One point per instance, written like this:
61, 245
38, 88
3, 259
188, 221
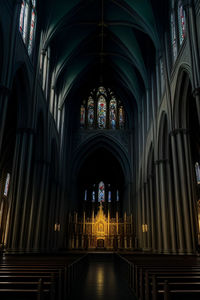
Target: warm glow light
144, 227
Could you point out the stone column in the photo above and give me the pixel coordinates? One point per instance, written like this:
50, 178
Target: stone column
148, 216
164, 205
153, 213
19, 188
158, 208
177, 200
43, 168
4, 96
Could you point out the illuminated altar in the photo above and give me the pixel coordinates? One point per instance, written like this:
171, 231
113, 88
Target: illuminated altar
100, 231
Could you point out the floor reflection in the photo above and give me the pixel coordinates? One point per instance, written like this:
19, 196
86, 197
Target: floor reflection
101, 282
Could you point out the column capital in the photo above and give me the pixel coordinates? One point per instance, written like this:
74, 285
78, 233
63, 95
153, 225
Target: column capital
176, 131
161, 161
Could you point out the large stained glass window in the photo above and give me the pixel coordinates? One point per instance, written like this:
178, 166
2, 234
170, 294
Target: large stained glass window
101, 192
181, 22
90, 112
113, 113
101, 112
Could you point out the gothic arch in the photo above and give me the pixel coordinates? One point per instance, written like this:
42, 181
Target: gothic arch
109, 144
183, 88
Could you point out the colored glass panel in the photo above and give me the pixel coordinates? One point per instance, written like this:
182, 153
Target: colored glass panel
181, 23
117, 196
90, 112
101, 112
109, 196
113, 113
121, 117
32, 32
93, 196
82, 116
101, 91
85, 196
21, 19
197, 170
101, 192
173, 36
7, 185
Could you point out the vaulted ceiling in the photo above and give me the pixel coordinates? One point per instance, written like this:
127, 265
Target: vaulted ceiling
109, 41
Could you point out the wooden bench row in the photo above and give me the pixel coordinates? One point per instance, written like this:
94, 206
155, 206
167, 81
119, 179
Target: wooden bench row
151, 280
39, 281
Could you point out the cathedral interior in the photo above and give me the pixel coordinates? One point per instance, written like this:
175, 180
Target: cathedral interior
99, 149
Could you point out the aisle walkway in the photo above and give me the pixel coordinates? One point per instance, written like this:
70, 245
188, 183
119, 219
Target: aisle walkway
101, 282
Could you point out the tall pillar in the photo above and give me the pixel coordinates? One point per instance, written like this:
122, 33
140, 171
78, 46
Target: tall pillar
148, 216
20, 188
43, 168
164, 205
158, 208
152, 212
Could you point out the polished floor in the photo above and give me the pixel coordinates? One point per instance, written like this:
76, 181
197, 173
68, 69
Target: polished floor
102, 282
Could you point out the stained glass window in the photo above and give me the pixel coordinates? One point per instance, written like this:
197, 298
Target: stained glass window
82, 116
32, 32
101, 192
85, 196
93, 196
101, 112
181, 22
109, 196
90, 112
27, 23
113, 113
7, 185
101, 91
197, 170
121, 117
117, 196
173, 36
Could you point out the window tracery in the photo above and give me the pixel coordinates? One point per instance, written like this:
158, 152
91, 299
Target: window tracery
27, 23
102, 110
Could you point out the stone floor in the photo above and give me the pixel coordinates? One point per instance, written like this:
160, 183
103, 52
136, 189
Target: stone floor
102, 282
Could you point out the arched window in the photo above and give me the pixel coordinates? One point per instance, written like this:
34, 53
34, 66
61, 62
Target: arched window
93, 196
173, 35
27, 23
82, 116
7, 185
113, 113
197, 171
90, 112
101, 192
117, 196
121, 117
102, 111
85, 196
109, 196
181, 22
